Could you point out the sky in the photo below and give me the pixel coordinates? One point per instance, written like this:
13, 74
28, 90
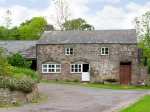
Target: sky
102, 14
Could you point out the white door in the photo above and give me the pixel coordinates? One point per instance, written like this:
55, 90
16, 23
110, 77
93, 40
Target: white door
86, 72
86, 76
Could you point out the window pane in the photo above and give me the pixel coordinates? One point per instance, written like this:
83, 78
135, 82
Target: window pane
103, 49
79, 69
67, 52
79, 65
58, 66
44, 66
44, 70
106, 50
68, 49
51, 70
57, 70
76, 66
76, 70
72, 66
72, 70
71, 51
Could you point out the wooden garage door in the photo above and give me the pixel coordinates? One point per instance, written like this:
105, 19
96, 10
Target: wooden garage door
125, 73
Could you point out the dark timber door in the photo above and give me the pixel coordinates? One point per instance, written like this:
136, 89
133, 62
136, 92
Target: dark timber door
125, 73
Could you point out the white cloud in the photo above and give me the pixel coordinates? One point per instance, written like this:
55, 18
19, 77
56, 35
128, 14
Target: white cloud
112, 17
109, 17
109, 1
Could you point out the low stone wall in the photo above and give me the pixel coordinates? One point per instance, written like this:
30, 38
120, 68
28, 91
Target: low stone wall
14, 97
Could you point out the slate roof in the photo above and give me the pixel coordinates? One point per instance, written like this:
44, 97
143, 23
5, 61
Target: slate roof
26, 48
29, 53
99, 36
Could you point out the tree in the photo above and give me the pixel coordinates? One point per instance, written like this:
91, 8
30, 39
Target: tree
77, 24
8, 18
32, 29
14, 34
3, 33
62, 12
4, 30
29, 30
143, 32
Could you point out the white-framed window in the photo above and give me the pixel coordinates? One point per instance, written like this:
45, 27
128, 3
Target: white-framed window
76, 68
104, 51
51, 68
68, 51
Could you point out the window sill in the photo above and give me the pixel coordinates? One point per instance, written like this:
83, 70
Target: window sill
75, 72
51, 72
104, 54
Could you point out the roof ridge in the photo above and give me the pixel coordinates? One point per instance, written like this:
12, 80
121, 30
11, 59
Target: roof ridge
89, 30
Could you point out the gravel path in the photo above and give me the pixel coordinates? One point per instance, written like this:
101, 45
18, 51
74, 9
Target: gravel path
71, 98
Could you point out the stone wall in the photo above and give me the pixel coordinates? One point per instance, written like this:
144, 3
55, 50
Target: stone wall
15, 97
143, 73
102, 67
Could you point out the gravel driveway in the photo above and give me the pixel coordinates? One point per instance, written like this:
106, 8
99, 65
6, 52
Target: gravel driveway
71, 98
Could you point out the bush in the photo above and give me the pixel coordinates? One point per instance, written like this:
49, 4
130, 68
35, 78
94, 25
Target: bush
23, 79
24, 72
25, 84
19, 61
5, 68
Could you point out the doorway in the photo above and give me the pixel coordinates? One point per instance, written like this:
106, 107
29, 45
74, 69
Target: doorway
34, 64
125, 73
85, 72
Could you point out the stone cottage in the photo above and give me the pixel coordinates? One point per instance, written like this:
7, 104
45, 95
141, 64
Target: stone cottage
89, 56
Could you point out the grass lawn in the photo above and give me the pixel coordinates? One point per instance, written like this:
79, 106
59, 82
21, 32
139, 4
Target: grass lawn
143, 105
97, 85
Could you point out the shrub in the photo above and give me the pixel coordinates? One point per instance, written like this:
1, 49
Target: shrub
25, 84
19, 61
5, 68
23, 72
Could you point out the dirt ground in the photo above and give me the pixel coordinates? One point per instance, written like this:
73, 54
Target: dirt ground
71, 98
